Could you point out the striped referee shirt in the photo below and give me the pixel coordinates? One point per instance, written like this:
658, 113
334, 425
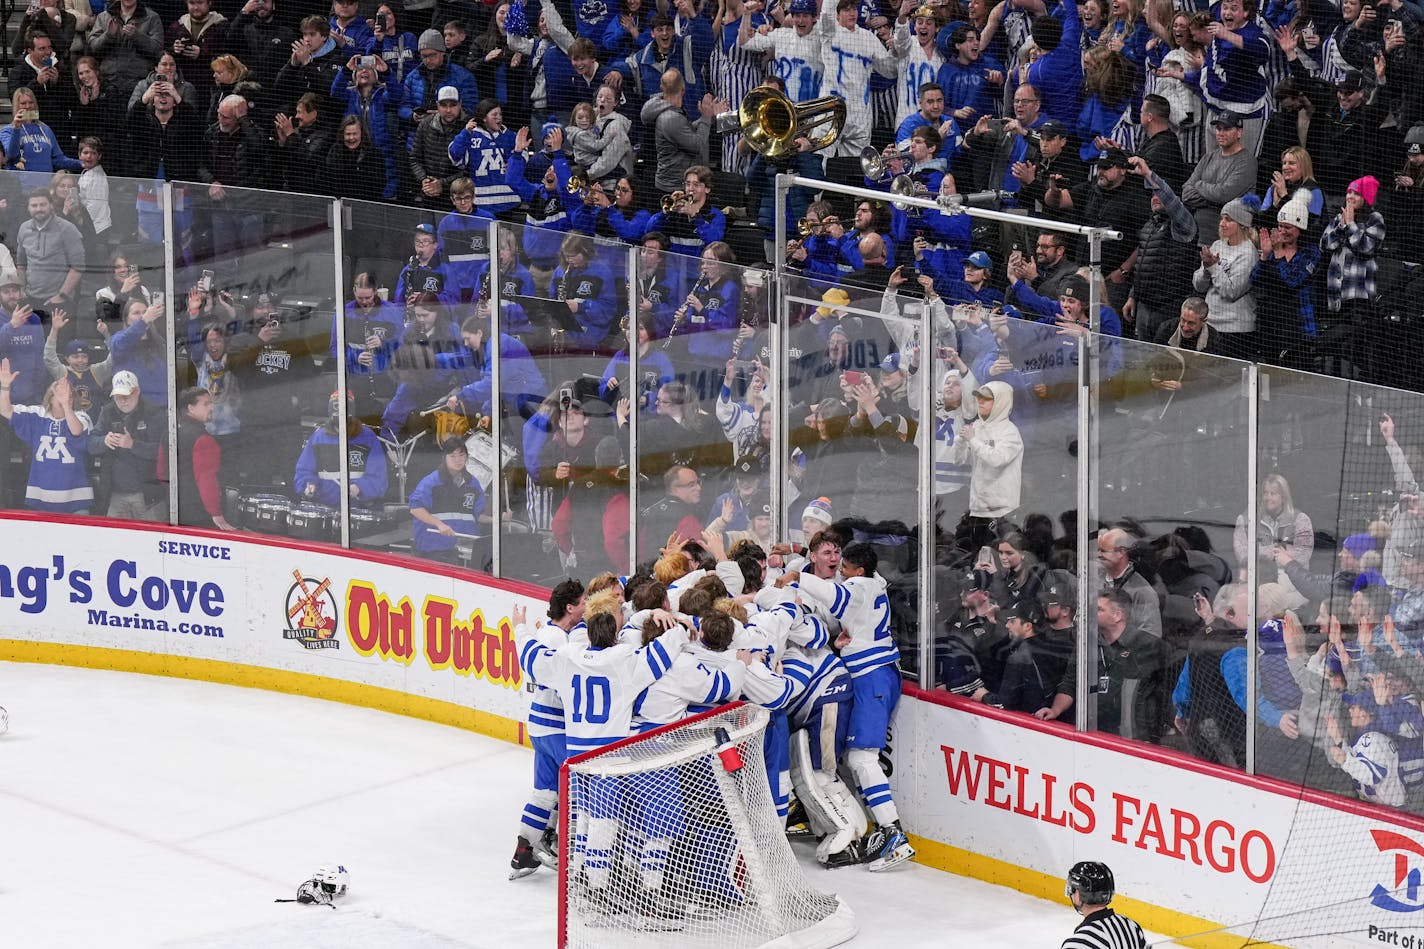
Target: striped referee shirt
1106, 930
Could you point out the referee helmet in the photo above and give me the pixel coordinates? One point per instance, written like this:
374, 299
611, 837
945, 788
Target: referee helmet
1093, 882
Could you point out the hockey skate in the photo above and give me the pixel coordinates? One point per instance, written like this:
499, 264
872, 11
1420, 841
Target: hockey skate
798, 824
853, 854
655, 911
887, 846
546, 848
524, 861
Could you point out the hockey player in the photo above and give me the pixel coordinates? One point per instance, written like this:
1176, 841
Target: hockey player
1089, 888
820, 714
599, 684
705, 674
535, 845
860, 604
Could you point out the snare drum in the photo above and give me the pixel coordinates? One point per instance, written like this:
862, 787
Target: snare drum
368, 522
264, 512
308, 520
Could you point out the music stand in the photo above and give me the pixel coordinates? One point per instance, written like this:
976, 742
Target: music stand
554, 320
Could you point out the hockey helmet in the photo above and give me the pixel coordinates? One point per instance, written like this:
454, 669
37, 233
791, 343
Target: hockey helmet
1093, 882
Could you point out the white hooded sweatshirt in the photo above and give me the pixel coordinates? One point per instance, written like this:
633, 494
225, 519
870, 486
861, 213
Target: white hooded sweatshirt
993, 449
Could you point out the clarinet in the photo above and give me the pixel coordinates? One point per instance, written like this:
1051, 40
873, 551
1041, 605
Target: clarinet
679, 316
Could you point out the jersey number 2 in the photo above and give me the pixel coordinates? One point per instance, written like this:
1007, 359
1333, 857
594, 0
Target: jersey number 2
593, 697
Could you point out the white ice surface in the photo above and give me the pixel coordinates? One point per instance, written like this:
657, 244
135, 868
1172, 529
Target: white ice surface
143, 811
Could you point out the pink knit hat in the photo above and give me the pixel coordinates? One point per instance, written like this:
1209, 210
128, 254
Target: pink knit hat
1366, 187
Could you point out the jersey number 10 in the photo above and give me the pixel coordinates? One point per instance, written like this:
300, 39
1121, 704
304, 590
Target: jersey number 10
592, 699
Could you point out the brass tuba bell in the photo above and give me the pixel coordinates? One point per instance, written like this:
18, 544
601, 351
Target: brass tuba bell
907, 187
771, 123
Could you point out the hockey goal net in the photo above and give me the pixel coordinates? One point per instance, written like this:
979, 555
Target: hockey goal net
671, 839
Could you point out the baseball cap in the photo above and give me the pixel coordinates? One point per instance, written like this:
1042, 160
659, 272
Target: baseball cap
977, 580
1061, 591
802, 6
432, 39
265, 299
1350, 82
10, 278
1026, 610
75, 346
979, 259
1112, 158
890, 363
749, 468
1075, 287
1053, 129
448, 94
1227, 120
425, 228
125, 383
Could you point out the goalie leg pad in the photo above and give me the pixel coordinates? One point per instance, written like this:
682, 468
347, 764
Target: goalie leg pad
826, 800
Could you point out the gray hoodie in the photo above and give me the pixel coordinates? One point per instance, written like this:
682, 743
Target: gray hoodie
680, 143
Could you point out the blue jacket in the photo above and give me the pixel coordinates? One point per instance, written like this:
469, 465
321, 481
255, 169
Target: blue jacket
654, 362
387, 322
457, 506
597, 311
521, 382
969, 86
24, 347
645, 78
319, 466
129, 350
1058, 75
546, 210
464, 239
421, 85
401, 53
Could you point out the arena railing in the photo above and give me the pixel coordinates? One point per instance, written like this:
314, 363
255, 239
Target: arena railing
1108, 437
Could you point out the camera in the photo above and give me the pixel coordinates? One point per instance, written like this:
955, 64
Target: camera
911, 273
205, 282
566, 397
366, 62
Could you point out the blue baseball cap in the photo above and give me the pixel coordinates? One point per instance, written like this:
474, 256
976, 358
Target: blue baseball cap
979, 259
803, 6
890, 363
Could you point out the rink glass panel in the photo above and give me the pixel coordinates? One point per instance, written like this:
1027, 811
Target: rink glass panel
260, 266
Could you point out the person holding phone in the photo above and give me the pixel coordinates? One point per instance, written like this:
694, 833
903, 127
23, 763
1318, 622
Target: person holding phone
29, 144
394, 47
39, 70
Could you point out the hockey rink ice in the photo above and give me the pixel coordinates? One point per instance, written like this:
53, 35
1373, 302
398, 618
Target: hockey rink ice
144, 811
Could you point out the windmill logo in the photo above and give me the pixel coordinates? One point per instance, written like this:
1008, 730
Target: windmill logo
311, 613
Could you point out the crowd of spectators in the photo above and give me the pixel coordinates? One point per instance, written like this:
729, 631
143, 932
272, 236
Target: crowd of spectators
1263, 165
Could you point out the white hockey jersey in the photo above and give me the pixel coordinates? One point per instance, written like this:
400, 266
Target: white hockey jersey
599, 686
546, 709
691, 684
814, 674
863, 608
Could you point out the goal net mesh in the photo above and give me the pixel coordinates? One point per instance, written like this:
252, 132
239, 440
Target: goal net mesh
671, 839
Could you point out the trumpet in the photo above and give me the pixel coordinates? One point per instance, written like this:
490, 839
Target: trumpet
803, 228
579, 186
907, 187
876, 166
674, 201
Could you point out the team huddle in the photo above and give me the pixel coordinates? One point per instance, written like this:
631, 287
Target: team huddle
629, 655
